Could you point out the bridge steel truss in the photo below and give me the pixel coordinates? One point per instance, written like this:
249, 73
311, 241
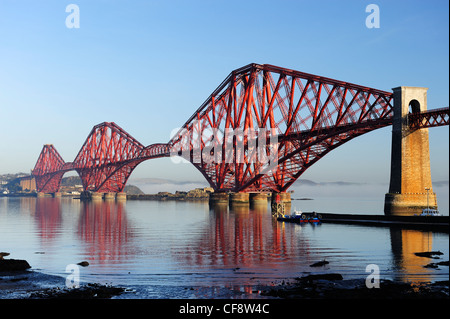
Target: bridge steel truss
432, 118
105, 162
48, 170
311, 115
308, 115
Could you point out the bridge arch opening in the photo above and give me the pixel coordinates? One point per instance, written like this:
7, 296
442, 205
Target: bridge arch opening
414, 106
164, 175
72, 179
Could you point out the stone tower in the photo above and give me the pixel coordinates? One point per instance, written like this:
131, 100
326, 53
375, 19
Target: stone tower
410, 187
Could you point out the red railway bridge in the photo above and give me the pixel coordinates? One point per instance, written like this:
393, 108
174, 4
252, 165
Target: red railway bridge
308, 115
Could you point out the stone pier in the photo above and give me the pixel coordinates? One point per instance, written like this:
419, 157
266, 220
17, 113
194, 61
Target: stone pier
218, 198
122, 196
284, 198
110, 196
281, 203
242, 199
41, 195
258, 199
88, 195
96, 196
410, 188
239, 198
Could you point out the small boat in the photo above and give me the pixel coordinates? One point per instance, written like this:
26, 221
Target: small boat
430, 212
298, 216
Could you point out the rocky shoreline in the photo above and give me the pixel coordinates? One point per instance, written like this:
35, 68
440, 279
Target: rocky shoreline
30, 284
333, 286
35, 285
19, 281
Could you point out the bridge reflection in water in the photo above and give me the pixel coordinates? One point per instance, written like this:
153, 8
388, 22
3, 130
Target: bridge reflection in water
244, 245
103, 226
405, 243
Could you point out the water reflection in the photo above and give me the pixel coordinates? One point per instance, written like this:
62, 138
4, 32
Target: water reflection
404, 244
234, 246
103, 226
244, 237
48, 217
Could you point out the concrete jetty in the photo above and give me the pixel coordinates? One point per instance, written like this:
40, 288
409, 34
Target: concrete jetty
439, 223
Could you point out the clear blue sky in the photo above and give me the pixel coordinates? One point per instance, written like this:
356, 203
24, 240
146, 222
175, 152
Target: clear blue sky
148, 65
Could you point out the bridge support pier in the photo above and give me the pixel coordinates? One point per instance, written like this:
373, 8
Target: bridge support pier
218, 198
410, 188
41, 194
88, 195
258, 198
96, 196
239, 198
122, 196
281, 202
246, 199
110, 196
284, 198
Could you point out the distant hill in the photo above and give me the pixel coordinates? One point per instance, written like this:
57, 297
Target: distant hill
132, 190
339, 183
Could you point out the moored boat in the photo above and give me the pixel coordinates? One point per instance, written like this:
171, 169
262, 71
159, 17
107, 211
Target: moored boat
298, 216
430, 212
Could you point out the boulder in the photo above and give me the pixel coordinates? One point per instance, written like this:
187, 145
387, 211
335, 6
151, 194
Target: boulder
429, 254
3, 254
331, 276
13, 265
319, 263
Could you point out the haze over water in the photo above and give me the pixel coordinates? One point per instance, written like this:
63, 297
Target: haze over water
162, 249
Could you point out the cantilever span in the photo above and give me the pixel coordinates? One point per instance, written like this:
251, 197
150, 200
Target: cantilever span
310, 115
317, 110
104, 163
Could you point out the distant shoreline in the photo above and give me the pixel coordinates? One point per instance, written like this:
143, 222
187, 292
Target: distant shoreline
19, 195
198, 194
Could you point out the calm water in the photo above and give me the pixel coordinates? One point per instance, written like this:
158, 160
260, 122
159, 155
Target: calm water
192, 250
